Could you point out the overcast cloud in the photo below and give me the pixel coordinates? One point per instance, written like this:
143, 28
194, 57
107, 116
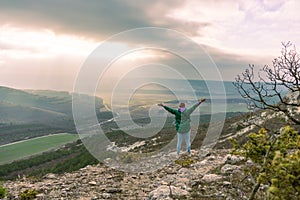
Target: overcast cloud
97, 19
49, 40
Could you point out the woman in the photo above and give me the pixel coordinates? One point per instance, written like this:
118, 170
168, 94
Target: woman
182, 123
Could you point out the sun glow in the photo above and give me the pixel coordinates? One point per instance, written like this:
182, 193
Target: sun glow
18, 43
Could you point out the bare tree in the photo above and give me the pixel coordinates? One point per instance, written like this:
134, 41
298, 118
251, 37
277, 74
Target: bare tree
269, 89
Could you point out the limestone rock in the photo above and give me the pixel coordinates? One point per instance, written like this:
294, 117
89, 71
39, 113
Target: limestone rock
166, 192
93, 183
50, 176
171, 182
233, 159
227, 168
211, 178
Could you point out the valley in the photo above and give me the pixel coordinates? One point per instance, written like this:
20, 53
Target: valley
38, 134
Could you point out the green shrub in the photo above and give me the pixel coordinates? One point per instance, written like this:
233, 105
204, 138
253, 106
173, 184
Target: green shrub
3, 191
29, 194
276, 159
186, 162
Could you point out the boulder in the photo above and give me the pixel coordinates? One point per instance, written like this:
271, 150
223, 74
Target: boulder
211, 178
233, 159
165, 192
227, 168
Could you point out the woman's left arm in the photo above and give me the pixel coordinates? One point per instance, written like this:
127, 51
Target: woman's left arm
190, 110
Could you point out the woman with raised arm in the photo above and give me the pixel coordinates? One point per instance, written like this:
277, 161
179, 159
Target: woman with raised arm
182, 123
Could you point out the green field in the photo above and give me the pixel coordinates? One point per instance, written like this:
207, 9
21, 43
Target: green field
23, 149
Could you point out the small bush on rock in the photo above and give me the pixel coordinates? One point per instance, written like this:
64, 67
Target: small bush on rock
3, 191
29, 194
276, 159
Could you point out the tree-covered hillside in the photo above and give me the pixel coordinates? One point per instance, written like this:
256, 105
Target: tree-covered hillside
27, 114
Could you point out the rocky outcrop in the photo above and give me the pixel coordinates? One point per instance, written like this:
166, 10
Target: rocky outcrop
208, 177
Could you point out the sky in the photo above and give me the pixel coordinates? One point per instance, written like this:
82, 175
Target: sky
45, 43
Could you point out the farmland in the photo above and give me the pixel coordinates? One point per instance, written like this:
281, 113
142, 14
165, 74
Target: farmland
26, 148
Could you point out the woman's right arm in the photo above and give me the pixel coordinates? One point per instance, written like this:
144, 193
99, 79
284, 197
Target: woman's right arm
170, 110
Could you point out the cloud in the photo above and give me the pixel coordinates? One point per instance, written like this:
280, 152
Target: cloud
97, 19
49, 33
231, 25
244, 27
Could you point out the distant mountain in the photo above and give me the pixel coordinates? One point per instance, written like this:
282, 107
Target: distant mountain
25, 114
19, 114
200, 88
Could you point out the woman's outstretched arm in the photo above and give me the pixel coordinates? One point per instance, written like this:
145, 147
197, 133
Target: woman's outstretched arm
190, 110
170, 110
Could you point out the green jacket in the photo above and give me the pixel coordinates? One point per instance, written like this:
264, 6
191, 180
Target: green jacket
182, 119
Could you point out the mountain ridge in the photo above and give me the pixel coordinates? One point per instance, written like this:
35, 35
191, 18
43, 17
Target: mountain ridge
30, 113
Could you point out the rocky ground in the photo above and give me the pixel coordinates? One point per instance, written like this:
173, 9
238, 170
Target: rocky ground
208, 176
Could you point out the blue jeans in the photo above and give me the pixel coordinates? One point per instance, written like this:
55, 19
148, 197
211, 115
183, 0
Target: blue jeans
187, 141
